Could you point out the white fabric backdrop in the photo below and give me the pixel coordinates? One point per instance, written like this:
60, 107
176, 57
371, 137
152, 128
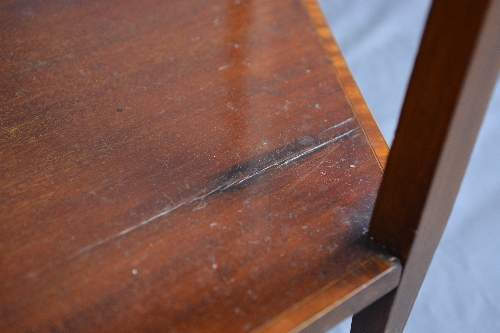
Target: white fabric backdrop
461, 293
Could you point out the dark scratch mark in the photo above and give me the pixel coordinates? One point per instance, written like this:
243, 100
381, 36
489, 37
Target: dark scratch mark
244, 172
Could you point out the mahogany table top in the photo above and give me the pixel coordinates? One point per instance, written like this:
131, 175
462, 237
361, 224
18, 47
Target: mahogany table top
180, 166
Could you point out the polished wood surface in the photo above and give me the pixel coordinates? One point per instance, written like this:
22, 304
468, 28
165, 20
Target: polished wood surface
358, 104
454, 75
182, 166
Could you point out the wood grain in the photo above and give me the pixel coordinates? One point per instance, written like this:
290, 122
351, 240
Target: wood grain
335, 301
454, 75
358, 104
178, 166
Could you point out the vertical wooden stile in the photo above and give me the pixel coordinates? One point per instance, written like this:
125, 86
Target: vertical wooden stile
453, 78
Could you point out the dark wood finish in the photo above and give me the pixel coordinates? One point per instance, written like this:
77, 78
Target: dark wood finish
454, 75
358, 104
336, 301
181, 166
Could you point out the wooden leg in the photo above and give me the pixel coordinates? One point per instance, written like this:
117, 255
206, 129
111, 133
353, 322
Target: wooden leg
373, 318
454, 74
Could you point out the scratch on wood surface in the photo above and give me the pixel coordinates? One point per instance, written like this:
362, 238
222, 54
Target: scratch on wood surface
338, 125
240, 174
315, 168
